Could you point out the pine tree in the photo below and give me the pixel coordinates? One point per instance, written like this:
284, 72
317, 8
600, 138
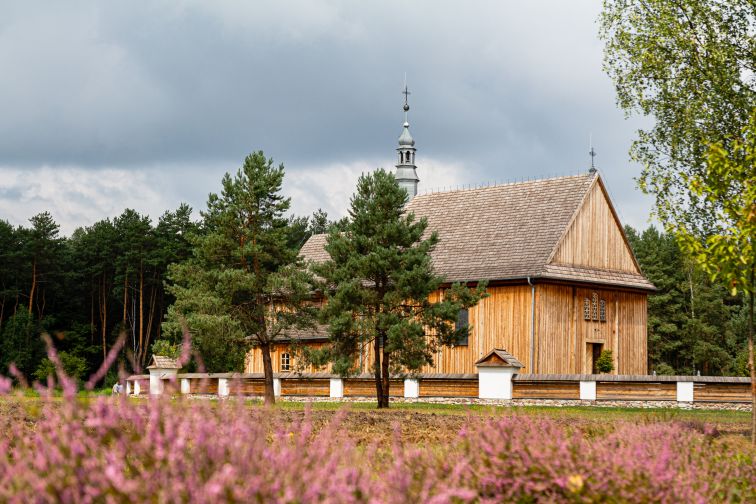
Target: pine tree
379, 282
242, 284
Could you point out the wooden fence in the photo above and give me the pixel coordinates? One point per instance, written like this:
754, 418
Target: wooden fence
523, 386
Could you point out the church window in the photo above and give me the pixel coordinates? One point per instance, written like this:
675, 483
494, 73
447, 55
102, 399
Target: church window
463, 324
594, 307
285, 362
586, 309
602, 310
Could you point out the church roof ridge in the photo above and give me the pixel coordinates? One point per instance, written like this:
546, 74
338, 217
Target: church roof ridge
505, 183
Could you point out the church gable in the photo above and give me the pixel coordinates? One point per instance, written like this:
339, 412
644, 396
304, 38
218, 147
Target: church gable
594, 239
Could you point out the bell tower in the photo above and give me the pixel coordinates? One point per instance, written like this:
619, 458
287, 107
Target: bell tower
406, 171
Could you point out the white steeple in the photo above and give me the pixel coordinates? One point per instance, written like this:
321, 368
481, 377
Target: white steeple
406, 173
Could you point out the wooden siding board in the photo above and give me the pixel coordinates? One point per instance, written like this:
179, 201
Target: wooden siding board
448, 388
641, 391
306, 387
545, 390
366, 388
722, 392
595, 238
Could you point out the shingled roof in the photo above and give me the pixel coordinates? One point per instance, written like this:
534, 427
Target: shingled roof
163, 362
504, 232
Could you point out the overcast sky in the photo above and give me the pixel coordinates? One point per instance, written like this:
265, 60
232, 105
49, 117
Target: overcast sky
107, 105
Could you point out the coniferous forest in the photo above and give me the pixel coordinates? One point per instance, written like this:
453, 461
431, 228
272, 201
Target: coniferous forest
109, 279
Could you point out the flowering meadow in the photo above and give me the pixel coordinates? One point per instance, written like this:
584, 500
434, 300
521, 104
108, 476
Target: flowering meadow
179, 450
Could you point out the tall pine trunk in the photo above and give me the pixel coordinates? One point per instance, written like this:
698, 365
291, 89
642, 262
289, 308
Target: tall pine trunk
386, 380
142, 350
33, 286
377, 369
270, 396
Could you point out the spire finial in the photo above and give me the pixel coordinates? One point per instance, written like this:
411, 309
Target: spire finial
592, 153
406, 94
406, 174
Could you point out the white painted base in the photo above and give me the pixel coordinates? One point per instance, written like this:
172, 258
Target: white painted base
684, 391
277, 387
156, 384
337, 387
587, 390
223, 387
411, 388
185, 387
495, 382
137, 388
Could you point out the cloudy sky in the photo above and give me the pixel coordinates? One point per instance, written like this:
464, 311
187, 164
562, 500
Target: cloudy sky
107, 105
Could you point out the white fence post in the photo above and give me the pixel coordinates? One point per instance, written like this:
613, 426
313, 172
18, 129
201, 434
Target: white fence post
495, 382
277, 387
223, 387
684, 391
411, 388
587, 390
337, 387
185, 386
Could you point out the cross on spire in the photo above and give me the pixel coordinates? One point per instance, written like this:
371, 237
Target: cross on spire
592, 153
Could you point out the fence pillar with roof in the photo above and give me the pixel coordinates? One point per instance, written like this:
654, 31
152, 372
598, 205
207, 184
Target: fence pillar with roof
495, 372
162, 369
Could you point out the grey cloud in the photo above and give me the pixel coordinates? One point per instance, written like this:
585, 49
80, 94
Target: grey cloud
503, 89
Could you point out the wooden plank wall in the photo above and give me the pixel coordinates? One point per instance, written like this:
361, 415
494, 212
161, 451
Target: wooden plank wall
502, 320
203, 385
306, 387
254, 362
247, 386
722, 392
545, 390
562, 334
595, 238
448, 388
366, 388
640, 391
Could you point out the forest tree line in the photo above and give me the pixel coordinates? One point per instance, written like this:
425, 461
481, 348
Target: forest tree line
104, 280
110, 278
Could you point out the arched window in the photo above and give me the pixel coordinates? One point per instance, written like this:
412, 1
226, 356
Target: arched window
285, 362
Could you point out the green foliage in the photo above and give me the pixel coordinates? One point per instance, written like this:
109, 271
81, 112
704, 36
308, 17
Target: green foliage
20, 344
665, 369
242, 285
690, 67
694, 324
605, 364
74, 366
166, 349
378, 283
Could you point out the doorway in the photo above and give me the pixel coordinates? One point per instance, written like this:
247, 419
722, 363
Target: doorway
594, 353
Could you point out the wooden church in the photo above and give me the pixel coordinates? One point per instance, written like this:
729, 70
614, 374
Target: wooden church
563, 283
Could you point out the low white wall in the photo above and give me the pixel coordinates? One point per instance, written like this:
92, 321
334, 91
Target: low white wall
684, 391
495, 382
337, 387
411, 388
588, 390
